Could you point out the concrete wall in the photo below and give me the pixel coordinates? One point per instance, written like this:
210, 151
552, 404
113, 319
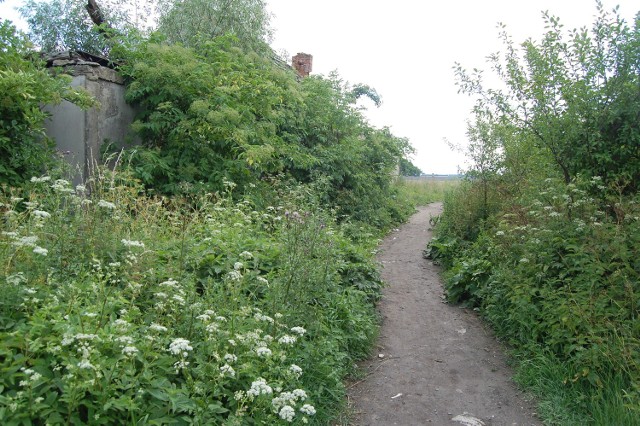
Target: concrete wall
80, 134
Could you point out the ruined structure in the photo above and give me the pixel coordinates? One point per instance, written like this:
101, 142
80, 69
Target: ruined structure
302, 63
80, 134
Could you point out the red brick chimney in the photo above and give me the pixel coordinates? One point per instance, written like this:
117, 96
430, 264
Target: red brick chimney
302, 63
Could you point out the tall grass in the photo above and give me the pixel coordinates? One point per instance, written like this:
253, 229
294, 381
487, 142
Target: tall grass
423, 191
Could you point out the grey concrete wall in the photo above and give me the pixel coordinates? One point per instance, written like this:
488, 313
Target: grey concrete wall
79, 134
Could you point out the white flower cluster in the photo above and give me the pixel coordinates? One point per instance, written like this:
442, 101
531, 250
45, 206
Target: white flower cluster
132, 243
180, 346
227, 370
284, 403
259, 387
295, 370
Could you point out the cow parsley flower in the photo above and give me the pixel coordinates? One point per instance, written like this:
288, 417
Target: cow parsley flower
263, 352
227, 370
230, 358
180, 346
308, 409
41, 213
295, 370
238, 265
287, 413
298, 330
234, 275
85, 365
246, 255
106, 204
287, 340
259, 387
132, 243
40, 179
41, 251
157, 327
130, 351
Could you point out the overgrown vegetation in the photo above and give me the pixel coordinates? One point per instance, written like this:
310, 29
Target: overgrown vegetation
542, 237
224, 272
24, 87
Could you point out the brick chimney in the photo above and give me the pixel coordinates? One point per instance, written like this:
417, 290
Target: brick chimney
302, 63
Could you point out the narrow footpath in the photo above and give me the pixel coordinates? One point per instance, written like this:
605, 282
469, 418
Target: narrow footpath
435, 364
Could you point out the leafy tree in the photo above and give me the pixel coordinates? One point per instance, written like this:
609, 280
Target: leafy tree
407, 168
189, 21
56, 25
25, 86
574, 96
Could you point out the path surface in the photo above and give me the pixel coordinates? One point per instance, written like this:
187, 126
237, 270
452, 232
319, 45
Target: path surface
435, 364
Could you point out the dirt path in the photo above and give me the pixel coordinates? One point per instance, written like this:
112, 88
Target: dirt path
434, 363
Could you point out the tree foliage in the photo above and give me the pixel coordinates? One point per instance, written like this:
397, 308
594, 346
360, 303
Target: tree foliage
25, 86
407, 168
188, 22
56, 25
574, 96
219, 114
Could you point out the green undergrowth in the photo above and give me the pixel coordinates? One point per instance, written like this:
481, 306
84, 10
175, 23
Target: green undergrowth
118, 308
419, 192
556, 274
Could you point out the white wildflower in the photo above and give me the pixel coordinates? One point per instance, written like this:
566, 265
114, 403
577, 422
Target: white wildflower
238, 265
203, 317
132, 243
130, 351
261, 317
180, 365
29, 241
287, 340
85, 365
234, 275
230, 358
246, 255
157, 327
263, 352
41, 213
298, 330
499, 233
259, 387
238, 395
308, 409
40, 179
287, 413
106, 204
16, 279
299, 394
297, 371
41, 251
524, 260
227, 370
180, 346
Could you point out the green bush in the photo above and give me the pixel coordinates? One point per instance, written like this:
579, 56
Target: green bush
25, 87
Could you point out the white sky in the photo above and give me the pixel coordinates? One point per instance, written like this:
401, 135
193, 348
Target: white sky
405, 49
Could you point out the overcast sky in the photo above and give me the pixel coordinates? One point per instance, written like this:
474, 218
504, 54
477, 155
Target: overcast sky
405, 49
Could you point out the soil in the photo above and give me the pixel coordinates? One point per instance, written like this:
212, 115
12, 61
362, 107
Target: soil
434, 363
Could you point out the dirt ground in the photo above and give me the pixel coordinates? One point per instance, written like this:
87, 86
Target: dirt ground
434, 363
